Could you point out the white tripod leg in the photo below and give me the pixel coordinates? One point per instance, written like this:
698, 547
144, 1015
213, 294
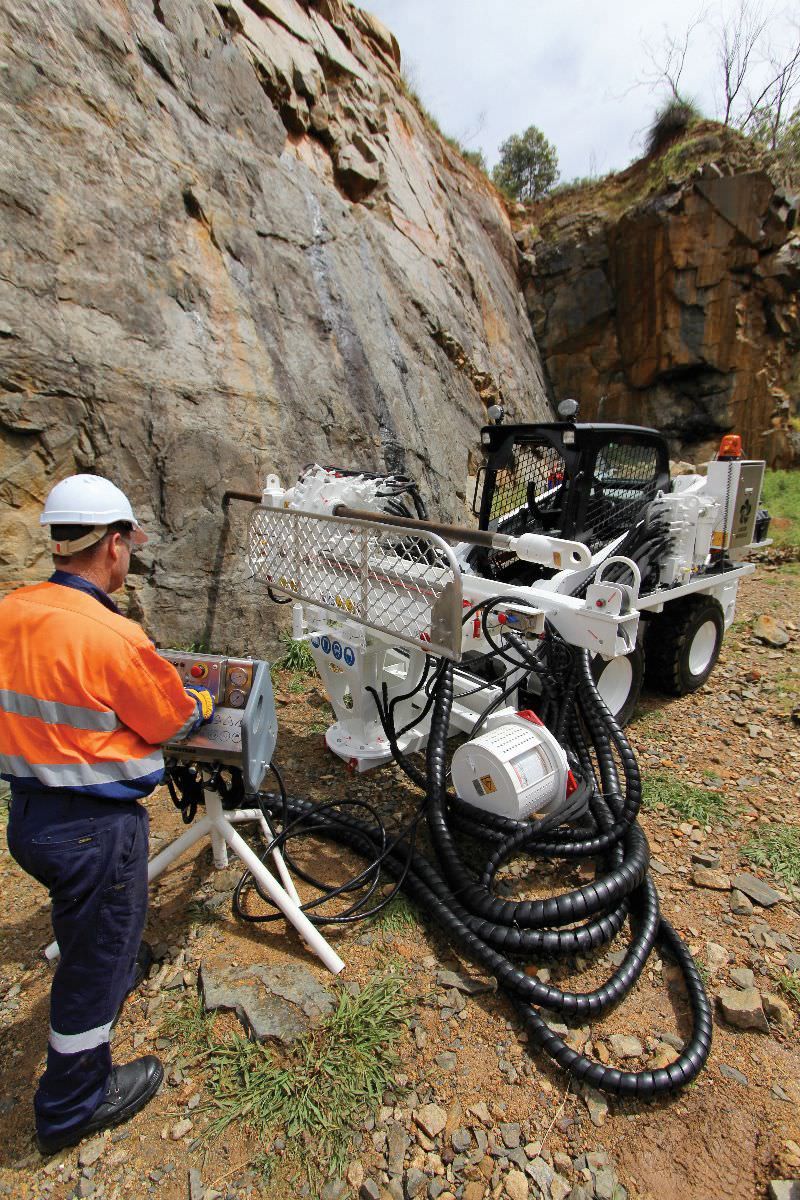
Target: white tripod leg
277, 894
255, 814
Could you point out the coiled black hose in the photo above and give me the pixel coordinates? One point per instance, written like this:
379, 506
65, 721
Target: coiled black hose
491, 930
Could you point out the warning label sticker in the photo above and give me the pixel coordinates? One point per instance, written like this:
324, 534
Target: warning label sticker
486, 785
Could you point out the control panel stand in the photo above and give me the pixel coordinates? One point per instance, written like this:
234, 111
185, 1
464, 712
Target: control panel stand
241, 735
218, 825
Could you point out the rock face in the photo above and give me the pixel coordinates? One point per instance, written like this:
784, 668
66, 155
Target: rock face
231, 245
678, 312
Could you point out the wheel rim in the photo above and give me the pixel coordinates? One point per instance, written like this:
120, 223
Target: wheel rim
701, 651
614, 684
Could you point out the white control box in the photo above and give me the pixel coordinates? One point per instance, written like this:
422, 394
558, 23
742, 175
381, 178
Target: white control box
737, 485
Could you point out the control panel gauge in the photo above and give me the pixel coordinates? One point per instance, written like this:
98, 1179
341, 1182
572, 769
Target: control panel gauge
243, 730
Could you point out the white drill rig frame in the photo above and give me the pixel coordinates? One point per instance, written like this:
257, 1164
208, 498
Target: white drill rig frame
376, 595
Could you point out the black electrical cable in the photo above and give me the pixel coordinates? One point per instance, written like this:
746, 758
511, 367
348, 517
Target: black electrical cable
597, 822
303, 826
279, 599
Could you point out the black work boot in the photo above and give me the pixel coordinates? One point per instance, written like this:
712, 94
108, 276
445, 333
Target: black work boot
129, 1089
141, 968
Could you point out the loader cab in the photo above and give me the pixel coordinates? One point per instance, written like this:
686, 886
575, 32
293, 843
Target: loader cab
580, 481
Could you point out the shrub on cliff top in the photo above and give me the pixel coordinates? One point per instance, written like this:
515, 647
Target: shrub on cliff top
671, 122
528, 165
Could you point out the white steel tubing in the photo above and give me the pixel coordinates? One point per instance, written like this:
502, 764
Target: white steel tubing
255, 814
217, 824
175, 849
279, 896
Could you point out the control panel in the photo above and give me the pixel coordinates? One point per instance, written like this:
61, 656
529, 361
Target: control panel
244, 728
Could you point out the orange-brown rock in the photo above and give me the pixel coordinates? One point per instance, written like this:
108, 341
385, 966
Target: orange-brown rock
679, 313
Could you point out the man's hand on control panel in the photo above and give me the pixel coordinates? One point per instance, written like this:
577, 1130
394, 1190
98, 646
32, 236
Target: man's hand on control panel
206, 704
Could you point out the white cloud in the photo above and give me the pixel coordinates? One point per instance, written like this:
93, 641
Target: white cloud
568, 67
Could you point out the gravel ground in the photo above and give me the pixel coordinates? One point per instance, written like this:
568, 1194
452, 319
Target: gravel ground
474, 1114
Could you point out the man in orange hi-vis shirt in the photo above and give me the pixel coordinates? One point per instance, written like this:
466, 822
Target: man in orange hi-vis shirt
85, 703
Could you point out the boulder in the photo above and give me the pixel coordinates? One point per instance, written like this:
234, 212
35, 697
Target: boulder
210, 299
281, 1002
743, 1009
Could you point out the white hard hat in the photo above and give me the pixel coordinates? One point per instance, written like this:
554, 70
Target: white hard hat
89, 500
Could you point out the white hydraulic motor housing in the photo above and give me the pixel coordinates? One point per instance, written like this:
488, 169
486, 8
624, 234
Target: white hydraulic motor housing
514, 769
321, 489
692, 519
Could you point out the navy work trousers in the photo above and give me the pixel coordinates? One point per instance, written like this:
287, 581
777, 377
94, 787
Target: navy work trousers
91, 855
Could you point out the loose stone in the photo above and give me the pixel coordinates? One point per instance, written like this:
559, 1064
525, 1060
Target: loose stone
756, 889
431, 1119
705, 877
743, 1009
90, 1153
623, 1046
732, 1073
516, 1186
778, 1012
510, 1135
740, 904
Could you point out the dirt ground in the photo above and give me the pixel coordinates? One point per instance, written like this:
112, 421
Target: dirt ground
733, 1130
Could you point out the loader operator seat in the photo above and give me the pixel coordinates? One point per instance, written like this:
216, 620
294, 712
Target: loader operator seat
547, 511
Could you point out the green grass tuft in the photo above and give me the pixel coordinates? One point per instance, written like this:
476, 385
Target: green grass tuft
685, 800
199, 913
192, 1027
296, 657
317, 1092
790, 984
781, 497
399, 916
778, 849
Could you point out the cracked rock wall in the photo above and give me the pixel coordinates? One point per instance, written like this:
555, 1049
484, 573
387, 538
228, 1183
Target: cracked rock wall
230, 245
682, 313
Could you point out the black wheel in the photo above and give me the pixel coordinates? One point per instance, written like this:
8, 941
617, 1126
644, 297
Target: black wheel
619, 682
683, 644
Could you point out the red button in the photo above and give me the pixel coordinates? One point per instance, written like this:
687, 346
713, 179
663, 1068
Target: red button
198, 671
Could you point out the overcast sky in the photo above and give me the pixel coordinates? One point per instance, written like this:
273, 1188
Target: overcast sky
489, 68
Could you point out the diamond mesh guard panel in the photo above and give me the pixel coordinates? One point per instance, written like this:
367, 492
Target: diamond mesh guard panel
401, 584
535, 481
625, 479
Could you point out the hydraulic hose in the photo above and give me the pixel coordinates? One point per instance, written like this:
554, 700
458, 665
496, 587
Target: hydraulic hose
498, 933
426, 887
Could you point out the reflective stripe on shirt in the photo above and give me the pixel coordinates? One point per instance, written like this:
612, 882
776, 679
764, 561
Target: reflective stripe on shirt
194, 722
53, 712
81, 774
